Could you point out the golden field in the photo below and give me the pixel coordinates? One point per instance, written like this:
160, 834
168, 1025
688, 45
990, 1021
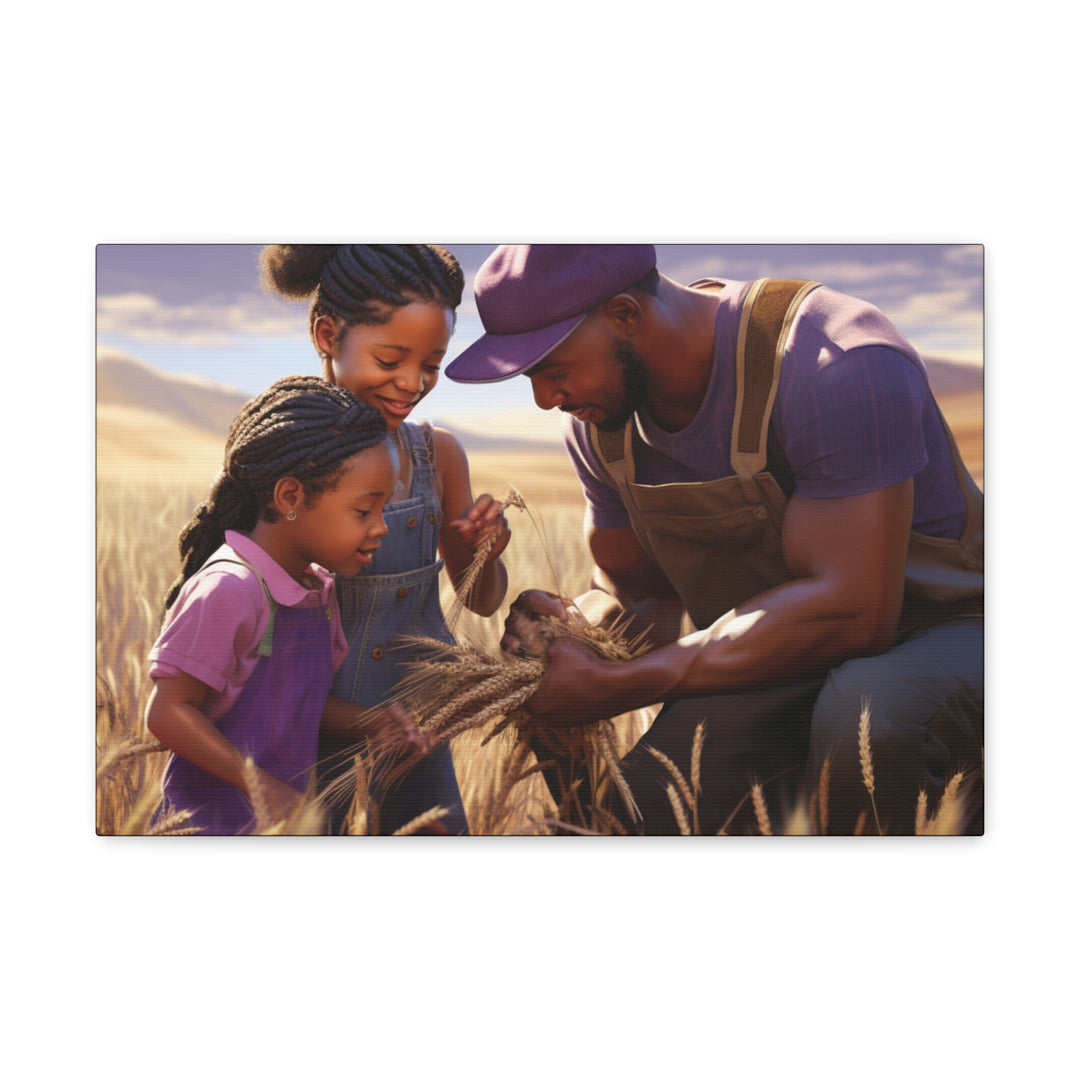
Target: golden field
153, 469
141, 509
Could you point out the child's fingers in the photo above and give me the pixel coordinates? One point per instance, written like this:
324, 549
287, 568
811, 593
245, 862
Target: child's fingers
484, 511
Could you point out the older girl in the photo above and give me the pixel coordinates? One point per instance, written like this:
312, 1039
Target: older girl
381, 317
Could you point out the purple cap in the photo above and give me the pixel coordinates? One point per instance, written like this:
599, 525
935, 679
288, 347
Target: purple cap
531, 296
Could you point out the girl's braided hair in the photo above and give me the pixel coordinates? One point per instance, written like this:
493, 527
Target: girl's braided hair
361, 284
302, 426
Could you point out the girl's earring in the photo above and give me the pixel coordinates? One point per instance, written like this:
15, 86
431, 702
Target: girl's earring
291, 515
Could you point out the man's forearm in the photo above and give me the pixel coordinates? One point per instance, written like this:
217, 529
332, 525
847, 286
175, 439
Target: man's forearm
794, 631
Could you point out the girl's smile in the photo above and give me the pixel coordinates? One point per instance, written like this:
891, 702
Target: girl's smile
393, 365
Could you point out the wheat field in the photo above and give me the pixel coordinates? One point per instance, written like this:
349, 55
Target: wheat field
140, 511
139, 516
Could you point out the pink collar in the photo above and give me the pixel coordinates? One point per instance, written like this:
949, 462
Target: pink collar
283, 587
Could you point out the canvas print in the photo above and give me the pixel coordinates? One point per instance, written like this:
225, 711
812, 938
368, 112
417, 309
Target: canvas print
478, 540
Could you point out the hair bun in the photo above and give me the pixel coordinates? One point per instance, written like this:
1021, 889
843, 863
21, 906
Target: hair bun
294, 270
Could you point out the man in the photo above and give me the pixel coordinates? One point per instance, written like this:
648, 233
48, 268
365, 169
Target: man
767, 461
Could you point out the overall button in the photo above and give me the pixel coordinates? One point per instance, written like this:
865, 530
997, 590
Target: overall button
376, 653
329, 613
431, 518
761, 513
411, 523
403, 591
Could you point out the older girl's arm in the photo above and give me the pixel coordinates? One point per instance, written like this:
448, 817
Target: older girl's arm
465, 523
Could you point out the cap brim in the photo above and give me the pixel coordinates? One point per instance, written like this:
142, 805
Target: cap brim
496, 357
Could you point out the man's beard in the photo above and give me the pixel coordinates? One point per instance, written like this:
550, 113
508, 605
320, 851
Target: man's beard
635, 385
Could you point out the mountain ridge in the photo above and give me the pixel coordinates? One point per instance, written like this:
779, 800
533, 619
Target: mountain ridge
125, 380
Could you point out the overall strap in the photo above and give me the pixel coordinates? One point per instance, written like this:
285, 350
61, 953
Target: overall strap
423, 454
768, 313
266, 643
615, 450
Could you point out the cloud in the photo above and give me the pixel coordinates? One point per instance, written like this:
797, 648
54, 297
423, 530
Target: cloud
141, 317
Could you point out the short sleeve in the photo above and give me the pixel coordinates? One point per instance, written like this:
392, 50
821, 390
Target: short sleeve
603, 505
855, 423
217, 619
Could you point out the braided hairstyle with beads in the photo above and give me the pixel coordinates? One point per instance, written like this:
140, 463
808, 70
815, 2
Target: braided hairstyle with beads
303, 427
361, 284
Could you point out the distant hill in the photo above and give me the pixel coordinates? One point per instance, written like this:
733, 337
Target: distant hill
948, 378
127, 381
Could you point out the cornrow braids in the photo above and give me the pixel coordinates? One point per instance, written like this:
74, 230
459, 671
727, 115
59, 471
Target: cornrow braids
361, 284
302, 426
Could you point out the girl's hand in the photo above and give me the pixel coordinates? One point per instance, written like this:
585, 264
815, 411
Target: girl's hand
396, 723
281, 798
482, 521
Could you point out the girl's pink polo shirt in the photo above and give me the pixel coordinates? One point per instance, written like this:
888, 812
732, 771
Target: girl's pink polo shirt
214, 627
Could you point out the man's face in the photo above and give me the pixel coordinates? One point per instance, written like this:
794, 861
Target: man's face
594, 375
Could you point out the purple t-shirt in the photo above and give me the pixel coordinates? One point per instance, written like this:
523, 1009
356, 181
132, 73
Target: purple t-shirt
853, 413
213, 629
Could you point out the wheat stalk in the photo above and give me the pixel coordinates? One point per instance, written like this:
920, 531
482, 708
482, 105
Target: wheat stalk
920, 814
761, 811
678, 810
866, 761
466, 583
422, 821
263, 818
605, 743
680, 781
124, 751
947, 817
174, 824
695, 770
823, 798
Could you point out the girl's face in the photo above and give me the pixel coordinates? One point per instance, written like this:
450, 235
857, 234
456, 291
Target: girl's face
393, 366
341, 529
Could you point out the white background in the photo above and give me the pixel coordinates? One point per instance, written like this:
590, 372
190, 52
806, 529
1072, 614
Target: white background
513, 957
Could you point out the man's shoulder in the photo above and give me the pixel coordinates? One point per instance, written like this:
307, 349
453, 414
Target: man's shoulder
837, 322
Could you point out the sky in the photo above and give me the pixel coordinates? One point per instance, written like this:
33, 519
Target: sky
199, 309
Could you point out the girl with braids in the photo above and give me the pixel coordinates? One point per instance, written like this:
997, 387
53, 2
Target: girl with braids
381, 318
252, 635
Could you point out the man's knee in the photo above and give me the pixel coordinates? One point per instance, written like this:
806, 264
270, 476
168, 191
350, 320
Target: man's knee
902, 727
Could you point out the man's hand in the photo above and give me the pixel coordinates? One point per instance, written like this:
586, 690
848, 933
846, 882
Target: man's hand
572, 689
530, 627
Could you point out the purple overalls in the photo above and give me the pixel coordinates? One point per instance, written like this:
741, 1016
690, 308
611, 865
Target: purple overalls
275, 720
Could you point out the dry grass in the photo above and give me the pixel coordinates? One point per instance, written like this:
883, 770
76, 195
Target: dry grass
498, 771
137, 527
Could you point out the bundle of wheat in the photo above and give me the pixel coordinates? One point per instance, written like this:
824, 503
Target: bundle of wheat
452, 689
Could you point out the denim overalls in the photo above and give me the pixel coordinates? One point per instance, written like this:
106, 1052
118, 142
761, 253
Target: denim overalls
397, 595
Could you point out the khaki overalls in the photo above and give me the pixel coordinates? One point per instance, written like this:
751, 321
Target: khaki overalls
719, 542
